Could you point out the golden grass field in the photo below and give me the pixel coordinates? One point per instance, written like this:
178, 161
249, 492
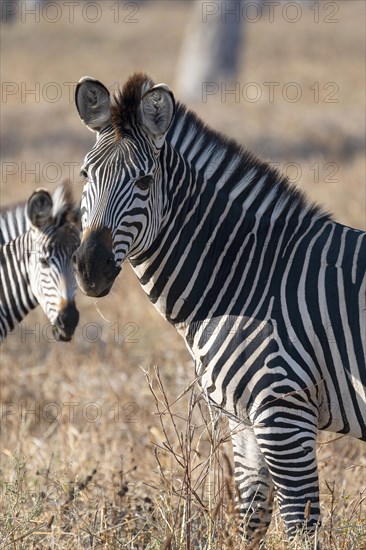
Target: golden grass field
91, 455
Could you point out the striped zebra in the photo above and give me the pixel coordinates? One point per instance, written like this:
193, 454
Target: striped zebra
266, 289
37, 240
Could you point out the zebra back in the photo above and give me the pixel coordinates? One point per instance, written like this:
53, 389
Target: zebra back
13, 222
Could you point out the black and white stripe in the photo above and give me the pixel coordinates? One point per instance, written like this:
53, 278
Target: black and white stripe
266, 289
35, 267
13, 222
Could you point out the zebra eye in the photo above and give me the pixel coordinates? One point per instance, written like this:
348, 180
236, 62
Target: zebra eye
144, 182
44, 262
84, 174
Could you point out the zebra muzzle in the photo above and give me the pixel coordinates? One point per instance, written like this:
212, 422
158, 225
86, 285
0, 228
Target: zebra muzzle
95, 265
66, 323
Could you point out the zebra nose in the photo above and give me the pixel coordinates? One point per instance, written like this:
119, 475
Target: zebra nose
94, 263
106, 261
66, 322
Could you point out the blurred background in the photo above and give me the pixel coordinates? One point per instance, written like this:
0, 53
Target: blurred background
286, 79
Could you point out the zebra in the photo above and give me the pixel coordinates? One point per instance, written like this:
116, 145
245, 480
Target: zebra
37, 240
267, 290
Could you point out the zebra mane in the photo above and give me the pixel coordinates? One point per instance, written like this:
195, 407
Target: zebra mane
126, 102
275, 187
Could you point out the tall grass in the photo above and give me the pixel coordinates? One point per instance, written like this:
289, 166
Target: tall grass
187, 503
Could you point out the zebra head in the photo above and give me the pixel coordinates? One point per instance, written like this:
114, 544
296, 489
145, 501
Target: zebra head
54, 234
122, 205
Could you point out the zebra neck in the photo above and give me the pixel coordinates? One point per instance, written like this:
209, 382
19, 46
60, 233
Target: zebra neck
222, 207
16, 296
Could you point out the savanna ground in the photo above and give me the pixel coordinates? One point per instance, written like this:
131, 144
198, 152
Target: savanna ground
92, 453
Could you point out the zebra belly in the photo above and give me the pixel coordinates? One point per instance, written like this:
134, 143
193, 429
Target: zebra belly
244, 368
247, 365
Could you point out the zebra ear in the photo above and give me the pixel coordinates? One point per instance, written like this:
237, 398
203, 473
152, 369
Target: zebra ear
93, 103
156, 111
39, 208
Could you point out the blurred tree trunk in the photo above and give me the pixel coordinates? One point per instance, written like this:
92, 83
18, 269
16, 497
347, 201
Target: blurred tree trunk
211, 48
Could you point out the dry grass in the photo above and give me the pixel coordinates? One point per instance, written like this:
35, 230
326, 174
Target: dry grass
109, 458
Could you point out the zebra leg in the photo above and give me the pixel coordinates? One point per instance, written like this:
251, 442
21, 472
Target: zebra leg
253, 481
289, 448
